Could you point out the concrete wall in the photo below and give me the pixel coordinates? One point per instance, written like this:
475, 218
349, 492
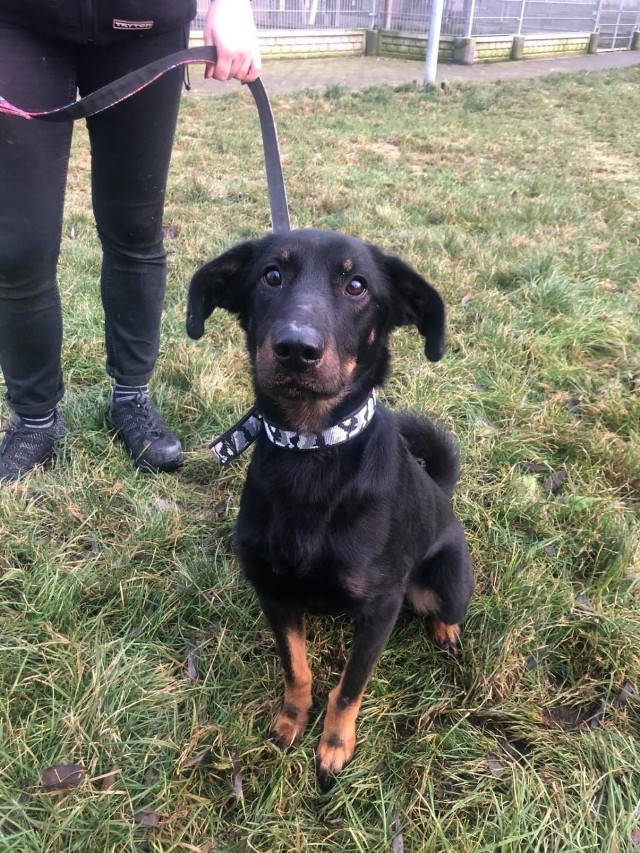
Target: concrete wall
493, 48
304, 44
555, 44
301, 44
405, 45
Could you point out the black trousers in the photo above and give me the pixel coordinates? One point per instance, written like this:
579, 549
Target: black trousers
130, 154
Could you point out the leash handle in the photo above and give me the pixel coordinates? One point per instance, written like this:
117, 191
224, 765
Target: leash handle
124, 87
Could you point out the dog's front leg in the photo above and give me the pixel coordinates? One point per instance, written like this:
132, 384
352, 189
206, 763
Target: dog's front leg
371, 631
289, 631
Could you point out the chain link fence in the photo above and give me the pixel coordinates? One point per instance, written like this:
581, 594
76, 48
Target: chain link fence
615, 20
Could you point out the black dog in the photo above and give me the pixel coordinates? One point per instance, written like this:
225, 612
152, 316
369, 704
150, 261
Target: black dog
336, 515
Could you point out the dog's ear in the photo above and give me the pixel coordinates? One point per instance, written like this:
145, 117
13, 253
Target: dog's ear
417, 302
220, 283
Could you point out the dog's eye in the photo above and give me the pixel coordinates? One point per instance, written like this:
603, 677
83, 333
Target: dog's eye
356, 287
272, 277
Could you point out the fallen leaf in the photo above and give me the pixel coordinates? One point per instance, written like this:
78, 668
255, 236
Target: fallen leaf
555, 482
237, 776
63, 776
562, 717
582, 604
397, 845
572, 403
8, 827
93, 548
625, 694
170, 231
195, 759
535, 467
109, 779
596, 719
220, 509
146, 817
152, 775
496, 766
466, 299
214, 626
192, 658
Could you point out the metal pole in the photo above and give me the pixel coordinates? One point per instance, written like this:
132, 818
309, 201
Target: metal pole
521, 19
387, 17
435, 26
617, 27
373, 14
470, 14
596, 26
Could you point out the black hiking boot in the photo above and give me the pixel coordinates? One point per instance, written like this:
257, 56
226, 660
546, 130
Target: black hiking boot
148, 439
24, 448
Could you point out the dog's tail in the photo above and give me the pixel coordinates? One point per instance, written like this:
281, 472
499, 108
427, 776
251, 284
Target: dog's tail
435, 446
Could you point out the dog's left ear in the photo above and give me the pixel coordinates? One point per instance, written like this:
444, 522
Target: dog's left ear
418, 302
220, 283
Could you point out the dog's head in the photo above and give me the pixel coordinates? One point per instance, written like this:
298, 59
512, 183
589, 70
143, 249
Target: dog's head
317, 308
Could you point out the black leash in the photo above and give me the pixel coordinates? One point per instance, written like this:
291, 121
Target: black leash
125, 87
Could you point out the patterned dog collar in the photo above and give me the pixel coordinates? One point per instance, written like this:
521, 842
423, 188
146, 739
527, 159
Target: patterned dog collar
239, 437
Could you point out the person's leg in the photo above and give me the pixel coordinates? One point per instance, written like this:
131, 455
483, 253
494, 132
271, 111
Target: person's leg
35, 73
130, 153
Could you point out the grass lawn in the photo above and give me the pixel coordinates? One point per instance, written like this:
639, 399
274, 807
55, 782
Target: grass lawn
129, 643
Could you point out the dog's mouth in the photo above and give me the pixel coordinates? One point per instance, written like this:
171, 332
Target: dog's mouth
300, 400
280, 385
300, 410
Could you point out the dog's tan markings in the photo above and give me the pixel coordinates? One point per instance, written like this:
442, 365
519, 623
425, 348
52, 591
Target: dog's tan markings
349, 365
423, 601
284, 256
264, 359
309, 415
347, 266
292, 720
338, 741
445, 636
312, 414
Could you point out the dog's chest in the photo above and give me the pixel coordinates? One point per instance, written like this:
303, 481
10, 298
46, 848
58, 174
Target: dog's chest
320, 553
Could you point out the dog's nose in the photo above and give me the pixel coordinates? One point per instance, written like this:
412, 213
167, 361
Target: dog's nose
298, 347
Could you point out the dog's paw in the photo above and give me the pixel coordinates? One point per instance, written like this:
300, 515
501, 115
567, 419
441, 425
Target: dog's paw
446, 637
289, 727
335, 750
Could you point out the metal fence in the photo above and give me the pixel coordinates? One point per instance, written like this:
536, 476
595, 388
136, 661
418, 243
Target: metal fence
615, 20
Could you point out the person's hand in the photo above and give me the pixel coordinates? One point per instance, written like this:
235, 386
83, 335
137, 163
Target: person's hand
230, 27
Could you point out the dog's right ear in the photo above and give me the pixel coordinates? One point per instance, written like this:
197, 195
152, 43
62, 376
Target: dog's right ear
220, 283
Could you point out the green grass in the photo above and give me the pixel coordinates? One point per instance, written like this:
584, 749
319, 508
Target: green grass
127, 637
